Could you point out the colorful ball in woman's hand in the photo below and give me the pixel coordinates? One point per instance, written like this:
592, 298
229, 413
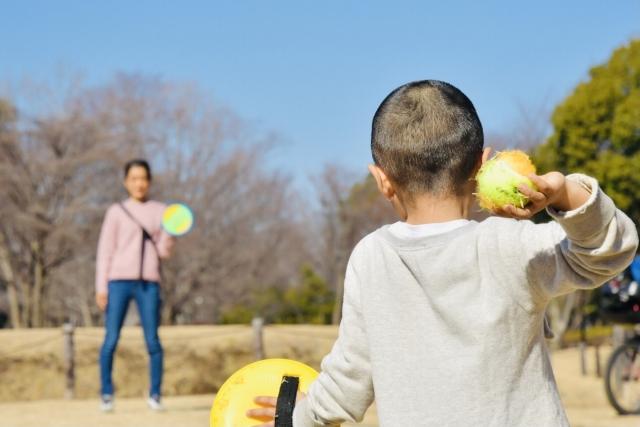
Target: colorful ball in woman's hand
498, 180
177, 219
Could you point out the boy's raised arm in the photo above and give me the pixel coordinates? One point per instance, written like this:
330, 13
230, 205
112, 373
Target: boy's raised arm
344, 389
584, 248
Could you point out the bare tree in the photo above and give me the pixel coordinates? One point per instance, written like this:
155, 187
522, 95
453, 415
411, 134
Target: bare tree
349, 210
530, 128
61, 168
47, 174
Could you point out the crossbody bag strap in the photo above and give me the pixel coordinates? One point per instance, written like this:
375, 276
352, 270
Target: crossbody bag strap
145, 236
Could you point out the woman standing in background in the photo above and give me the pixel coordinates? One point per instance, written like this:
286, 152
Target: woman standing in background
132, 243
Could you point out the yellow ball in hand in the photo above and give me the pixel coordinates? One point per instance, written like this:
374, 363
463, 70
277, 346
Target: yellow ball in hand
498, 180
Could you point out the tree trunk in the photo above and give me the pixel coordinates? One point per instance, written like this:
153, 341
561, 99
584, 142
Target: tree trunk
166, 314
12, 290
14, 306
26, 304
38, 286
85, 311
36, 300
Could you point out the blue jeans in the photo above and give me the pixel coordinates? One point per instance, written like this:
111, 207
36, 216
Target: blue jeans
147, 296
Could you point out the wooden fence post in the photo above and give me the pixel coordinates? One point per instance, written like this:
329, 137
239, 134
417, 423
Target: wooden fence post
583, 348
583, 358
69, 361
258, 326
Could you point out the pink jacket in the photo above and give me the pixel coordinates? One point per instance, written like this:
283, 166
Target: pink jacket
120, 246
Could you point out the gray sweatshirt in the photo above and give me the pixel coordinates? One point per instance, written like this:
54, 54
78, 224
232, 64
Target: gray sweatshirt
447, 330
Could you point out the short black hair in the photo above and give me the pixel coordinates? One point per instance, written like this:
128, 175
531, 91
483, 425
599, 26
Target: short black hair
427, 137
137, 162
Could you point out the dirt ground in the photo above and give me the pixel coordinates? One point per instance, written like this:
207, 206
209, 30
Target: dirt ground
583, 396
181, 411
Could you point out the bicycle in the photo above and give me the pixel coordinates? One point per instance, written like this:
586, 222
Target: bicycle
622, 377
620, 303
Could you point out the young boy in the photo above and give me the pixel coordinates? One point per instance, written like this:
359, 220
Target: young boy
443, 317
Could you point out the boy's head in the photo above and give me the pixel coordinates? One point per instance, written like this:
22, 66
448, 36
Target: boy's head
427, 138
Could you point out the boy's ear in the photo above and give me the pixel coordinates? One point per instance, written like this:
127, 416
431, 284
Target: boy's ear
383, 182
486, 153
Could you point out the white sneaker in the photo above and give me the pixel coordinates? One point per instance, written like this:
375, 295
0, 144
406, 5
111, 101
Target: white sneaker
106, 403
154, 403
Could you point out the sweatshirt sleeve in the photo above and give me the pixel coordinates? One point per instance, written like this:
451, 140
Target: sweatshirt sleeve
106, 249
163, 241
581, 249
165, 244
344, 390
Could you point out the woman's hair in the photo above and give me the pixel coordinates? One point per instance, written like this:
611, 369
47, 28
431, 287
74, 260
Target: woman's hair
137, 162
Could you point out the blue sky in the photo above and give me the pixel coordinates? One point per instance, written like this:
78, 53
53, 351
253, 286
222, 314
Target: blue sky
315, 71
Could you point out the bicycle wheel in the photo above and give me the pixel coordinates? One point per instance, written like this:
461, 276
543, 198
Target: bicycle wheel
622, 379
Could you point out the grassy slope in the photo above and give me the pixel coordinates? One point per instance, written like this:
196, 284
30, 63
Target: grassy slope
197, 358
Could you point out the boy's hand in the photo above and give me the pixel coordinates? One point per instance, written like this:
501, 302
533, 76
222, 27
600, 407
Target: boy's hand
553, 190
268, 411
